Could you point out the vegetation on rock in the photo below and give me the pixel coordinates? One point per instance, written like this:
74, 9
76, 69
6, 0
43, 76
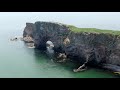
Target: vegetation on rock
92, 30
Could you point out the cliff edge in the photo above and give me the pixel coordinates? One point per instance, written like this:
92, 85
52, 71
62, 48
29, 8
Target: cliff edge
102, 49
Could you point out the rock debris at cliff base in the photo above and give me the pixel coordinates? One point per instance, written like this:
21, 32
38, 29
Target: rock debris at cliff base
102, 48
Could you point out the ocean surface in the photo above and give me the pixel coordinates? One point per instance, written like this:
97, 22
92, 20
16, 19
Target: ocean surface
18, 61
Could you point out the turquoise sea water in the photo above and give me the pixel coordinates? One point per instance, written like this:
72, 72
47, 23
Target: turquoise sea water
18, 61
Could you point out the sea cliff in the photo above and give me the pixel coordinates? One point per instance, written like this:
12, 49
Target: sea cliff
102, 47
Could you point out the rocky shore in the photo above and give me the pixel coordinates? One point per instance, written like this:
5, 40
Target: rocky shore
98, 49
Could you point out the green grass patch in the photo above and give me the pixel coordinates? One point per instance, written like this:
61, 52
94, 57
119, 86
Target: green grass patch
92, 30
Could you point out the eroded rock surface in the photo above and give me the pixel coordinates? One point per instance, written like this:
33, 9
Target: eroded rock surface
101, 48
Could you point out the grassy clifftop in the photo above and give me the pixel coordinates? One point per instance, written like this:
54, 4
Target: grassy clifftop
92, 30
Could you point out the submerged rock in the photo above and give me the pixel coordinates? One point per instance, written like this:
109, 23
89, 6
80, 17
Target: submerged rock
16, 38
100, 48
110, 67
30, 45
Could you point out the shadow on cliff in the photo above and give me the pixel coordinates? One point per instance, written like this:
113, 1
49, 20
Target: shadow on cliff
103, 49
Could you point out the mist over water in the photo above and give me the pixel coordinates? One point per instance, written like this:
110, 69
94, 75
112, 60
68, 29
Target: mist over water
16, 60
103, 20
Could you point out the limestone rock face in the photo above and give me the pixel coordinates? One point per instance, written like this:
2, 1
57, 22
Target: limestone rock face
101, 48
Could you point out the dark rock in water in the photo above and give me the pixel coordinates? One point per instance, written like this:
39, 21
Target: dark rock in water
99, 48
113, 68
